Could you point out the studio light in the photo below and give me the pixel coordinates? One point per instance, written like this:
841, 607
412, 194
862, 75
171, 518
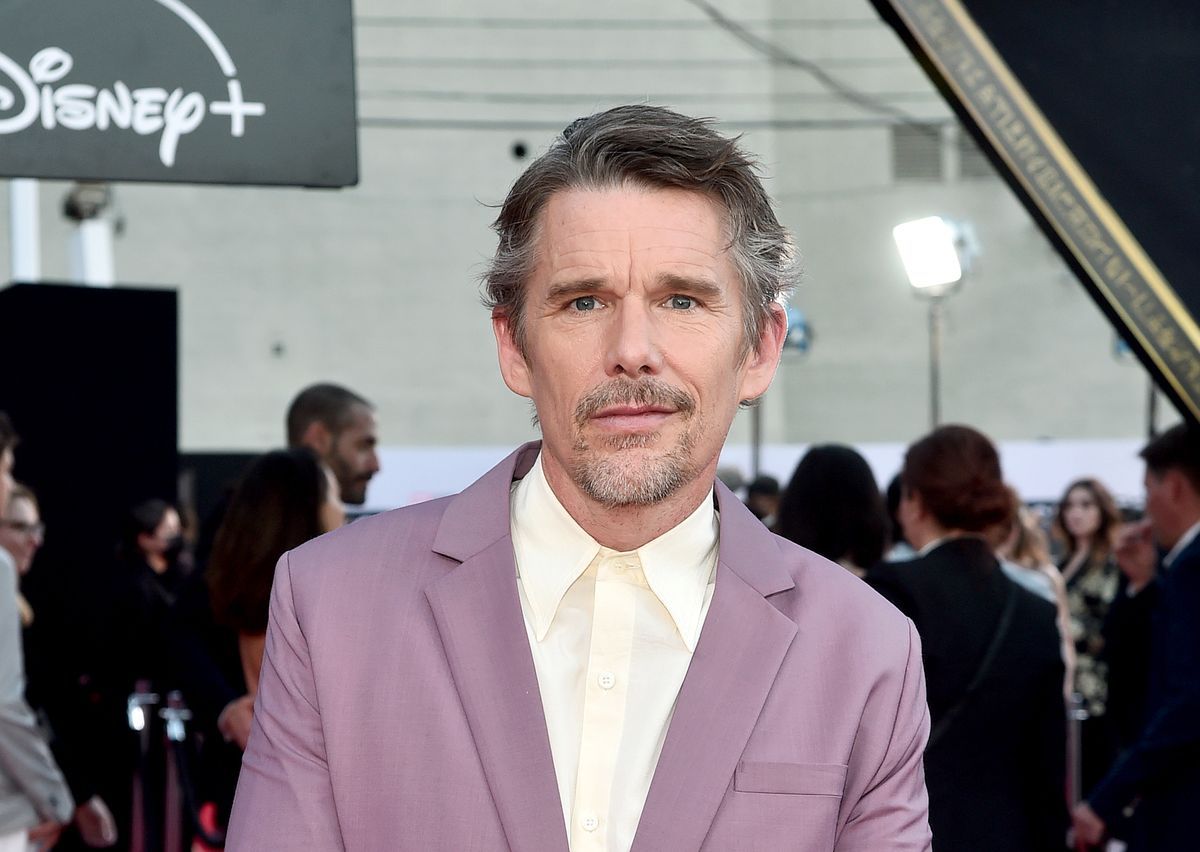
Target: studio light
929, 251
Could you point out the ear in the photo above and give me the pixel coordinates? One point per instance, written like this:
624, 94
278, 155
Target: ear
763, 360
1177, 485
513, 366
317, 438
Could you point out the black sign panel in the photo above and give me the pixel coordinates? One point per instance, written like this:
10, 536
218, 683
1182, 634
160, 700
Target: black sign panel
1093, 116
181, 91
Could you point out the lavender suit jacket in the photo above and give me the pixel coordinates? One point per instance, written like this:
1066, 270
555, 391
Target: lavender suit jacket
399, 709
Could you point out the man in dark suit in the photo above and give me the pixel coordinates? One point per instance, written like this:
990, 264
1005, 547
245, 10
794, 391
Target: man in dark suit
1161, 770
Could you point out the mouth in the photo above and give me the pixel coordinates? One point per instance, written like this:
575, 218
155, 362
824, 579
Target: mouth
632, 418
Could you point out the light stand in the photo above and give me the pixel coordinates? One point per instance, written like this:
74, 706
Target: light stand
936, 254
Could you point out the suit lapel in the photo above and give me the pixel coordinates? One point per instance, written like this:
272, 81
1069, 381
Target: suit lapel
741, 647
479, 620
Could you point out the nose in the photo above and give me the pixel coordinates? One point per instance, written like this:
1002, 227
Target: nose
633, 346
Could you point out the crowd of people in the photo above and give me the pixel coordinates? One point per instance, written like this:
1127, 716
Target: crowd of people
1008, 631
157, 619
1027, 622
1015, 640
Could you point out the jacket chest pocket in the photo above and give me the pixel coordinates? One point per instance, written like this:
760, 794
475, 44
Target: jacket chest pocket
779, 807
796, 779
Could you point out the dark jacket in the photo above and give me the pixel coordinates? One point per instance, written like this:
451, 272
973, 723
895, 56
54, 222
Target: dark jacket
996, 775
1163, 764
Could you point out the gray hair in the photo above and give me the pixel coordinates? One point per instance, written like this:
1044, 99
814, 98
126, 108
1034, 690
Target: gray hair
653, 147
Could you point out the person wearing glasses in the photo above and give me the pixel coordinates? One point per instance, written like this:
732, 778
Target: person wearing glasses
34, 800
21, 534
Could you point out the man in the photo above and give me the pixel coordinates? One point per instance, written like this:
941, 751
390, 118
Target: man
1162, 767
583, 650
762, 499
35, 803
339, 426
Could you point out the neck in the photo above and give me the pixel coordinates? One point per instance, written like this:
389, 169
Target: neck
1084, 544
925, 532
157, 562
1185, 523
625, 528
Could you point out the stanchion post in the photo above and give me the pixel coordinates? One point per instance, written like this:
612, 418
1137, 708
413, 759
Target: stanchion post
1076, 715
176, 716
139, 709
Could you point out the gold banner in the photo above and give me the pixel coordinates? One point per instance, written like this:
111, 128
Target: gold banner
1115, 263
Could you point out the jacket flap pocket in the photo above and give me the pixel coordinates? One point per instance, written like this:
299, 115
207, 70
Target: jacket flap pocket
813, 779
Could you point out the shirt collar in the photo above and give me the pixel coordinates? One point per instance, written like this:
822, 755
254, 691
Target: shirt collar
933, 545
552, 551
1184, 540
679, 565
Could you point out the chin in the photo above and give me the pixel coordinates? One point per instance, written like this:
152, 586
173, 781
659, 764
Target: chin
633, 477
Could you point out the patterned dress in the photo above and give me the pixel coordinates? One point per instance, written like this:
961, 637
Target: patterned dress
1090, 591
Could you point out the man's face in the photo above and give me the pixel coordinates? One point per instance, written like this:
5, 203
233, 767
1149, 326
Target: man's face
634, 342
21, 532
6, 482
352, 456
1160, 508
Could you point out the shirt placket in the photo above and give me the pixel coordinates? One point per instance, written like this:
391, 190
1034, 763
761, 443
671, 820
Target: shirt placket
605, 700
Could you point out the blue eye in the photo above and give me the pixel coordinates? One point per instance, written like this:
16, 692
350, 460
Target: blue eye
584, 303
682, 303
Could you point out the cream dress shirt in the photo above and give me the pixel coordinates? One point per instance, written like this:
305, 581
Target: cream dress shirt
612, 635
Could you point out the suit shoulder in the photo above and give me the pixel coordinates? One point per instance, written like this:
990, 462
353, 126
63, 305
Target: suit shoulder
367, 541
827, 590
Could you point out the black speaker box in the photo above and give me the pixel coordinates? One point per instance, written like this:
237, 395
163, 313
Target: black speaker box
89, 377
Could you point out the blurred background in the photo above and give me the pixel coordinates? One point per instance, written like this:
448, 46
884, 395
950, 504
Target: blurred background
375, 286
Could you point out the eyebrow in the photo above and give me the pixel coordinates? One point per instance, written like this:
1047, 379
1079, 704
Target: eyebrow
572, 289
704, 287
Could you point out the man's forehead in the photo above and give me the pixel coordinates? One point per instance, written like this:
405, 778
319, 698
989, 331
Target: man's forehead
20, 509
618, 208
360, 419
596, 227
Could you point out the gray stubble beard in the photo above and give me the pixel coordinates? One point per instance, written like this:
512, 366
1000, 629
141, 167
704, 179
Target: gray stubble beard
609, 479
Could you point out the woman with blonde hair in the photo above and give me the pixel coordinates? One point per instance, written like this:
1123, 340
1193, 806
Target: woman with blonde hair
1024, 555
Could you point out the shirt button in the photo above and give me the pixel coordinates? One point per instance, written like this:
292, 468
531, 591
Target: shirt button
607, 680
590, 823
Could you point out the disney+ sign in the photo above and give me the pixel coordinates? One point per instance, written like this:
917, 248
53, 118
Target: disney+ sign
181, 91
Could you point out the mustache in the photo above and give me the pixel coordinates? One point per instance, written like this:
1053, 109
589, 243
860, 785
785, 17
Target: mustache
648, 391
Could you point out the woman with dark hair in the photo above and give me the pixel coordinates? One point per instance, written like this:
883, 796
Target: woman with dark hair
284, 499
1086, 525
996, 757
833, 507
151, 570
